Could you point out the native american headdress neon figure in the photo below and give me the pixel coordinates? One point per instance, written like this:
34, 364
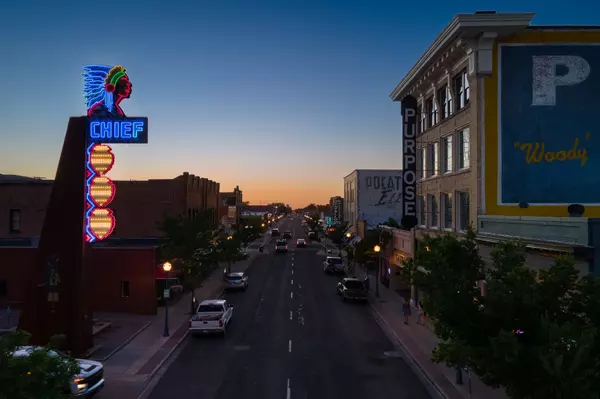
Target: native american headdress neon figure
104, 89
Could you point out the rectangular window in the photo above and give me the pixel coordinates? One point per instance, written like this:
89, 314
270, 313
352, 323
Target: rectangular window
423, 117
423, 165
462, 90
434, 158
124, 289
443, 97
420, 121
449, 101
463, 149
447, 154
433, 211
447, 204
463, 210
421, 210
14, 221
431, 108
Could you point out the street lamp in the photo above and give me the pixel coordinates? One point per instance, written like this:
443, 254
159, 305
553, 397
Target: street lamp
348, 235
377, 250
262, 225
167, 268
229, 237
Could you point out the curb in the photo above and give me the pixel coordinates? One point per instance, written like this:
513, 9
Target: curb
430, 385
128, 340
144, 393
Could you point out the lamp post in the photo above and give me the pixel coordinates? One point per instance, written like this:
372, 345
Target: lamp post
167, 268
377, 250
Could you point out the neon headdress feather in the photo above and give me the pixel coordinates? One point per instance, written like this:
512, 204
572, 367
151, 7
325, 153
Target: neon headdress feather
96, 79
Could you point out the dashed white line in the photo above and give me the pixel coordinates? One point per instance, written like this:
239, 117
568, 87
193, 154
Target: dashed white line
290, 346
292, 272
291, 295
288, 395
290, 315
292, 282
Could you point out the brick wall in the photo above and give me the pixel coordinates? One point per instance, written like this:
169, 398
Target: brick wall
31, 200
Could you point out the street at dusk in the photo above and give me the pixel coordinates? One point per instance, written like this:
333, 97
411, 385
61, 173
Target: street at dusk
300, 200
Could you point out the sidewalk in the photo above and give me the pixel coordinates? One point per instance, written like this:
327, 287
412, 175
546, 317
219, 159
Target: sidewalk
418, 341
128, 371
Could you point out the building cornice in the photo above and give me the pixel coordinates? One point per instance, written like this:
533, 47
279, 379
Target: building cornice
467, 25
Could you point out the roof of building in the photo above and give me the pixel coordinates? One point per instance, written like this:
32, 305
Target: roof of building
466, 26
16, 179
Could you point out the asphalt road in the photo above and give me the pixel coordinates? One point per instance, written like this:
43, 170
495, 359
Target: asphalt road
291, 337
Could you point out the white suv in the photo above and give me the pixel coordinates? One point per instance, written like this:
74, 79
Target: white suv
333, 264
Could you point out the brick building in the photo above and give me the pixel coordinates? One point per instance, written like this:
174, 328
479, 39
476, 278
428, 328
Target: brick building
230, 206
460, 150
123, 267
138, 205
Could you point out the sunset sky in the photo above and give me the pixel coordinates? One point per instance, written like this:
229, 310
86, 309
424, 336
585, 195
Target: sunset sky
283, 98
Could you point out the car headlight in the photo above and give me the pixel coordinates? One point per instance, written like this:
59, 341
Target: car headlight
82, 387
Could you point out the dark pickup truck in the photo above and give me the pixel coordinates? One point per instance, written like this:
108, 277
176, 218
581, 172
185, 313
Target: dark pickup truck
352, 288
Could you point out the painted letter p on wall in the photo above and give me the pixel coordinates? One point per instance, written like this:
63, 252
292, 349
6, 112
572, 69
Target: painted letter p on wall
546, 78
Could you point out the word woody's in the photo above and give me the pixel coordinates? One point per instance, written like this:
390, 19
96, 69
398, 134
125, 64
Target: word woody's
536, 152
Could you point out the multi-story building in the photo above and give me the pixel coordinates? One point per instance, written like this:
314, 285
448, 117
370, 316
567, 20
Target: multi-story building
230, 206
336, 204
138, 205
494, 148
373, 196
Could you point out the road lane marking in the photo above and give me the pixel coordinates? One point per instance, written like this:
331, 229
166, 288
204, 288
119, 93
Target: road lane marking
288, 395
292, 282
292, 272
291, 295
290, 346
290, 315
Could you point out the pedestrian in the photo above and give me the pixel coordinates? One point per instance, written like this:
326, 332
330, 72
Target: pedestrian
406, 310
422, 314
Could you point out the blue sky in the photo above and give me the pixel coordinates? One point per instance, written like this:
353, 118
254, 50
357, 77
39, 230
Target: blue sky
282, 98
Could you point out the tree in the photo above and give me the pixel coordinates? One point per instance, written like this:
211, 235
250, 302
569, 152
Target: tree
537, 335
364, 249
391, 222
337, 234
228, 249
42, 374
189, 246
314, 222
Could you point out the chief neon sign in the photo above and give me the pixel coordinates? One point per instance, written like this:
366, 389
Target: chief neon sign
125, 131
105, 88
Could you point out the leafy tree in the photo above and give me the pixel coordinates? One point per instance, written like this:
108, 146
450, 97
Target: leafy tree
228, 249
535, 334
314, 222
391, 222
189, 246
337, 235
364, 249
42, 374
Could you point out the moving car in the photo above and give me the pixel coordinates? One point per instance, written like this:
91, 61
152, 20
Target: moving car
281, 246
236, 281
333, 264
300, 242
275, 232
87, 383
352, 288
212, 316
287, 234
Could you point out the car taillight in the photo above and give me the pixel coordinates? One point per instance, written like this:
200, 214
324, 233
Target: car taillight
220, 323
286, 247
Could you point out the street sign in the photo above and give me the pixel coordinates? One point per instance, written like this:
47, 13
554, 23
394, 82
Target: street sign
166, 293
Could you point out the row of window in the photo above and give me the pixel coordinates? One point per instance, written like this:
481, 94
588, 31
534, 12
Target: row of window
445, 102
439, 157
436, 212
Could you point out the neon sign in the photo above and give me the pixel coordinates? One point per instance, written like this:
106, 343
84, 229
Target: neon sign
105, 87
123, 131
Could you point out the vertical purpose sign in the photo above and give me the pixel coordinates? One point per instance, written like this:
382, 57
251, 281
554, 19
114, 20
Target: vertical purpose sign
409, 162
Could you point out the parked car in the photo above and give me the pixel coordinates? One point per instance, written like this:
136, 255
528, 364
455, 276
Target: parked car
333, 264
236, 281
87, 383
300, 242
212, 316
352, 288
281, 246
